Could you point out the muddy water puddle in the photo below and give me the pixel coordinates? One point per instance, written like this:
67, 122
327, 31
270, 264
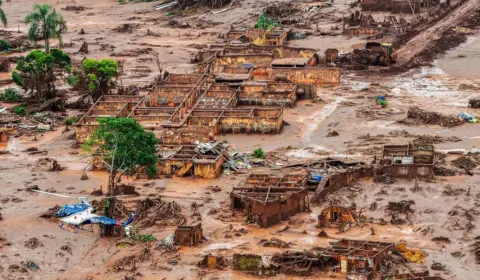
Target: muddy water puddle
463, 61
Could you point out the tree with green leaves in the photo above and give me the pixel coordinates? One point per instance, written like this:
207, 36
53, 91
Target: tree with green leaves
96, 77
38, 71
46, 23
3, 17
123, 146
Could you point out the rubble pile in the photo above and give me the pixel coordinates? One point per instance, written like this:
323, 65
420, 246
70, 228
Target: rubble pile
129, 263
47, 164
460, 219
33, 243
132, 52
51, 214
274, 242
151, 210
427, 117
475, 249
443, 171
434, 139
295, 263
465, 162
474, 103
74, 8
282, 12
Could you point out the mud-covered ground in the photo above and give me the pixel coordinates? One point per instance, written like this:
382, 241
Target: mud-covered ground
347, 109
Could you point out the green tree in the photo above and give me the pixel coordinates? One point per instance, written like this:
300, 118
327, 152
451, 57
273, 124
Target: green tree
37, 72
46, 23
3, 17
123, 146
97, 77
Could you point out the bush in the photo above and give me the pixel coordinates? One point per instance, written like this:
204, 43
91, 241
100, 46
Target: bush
68, 121
5, 45
73, 80
259, 153
20, 110
265, 22
10, 95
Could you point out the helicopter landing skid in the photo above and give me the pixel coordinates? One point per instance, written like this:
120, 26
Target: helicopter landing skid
76, 227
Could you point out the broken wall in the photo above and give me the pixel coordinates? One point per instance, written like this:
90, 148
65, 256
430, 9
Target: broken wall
337, 181
209, 167
189, 235
409, 171
269, 213
309, 75
235, 60
84, 131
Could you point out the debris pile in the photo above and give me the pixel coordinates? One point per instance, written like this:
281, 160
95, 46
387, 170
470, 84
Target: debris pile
74, 8
465, 162
274, 242
434, 139
151, 210
474, 103
427, 117
132, 52
461, 219
47, 164
33, 243
295, 263
51, 214
475, 249
385, 178
282, 13
443, 171
129, 263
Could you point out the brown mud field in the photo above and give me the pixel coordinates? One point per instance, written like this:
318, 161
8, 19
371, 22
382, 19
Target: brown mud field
407, 172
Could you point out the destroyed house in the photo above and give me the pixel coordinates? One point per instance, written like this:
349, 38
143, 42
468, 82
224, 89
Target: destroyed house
408, 161
241, 61
266, 206
107, 106
187, 160
291, 180
356, 259
359, 259
260, 36
267, 94
233, 75
336, 217
189, 235
283, 56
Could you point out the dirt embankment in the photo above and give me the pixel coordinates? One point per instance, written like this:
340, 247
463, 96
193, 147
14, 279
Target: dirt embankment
440, 37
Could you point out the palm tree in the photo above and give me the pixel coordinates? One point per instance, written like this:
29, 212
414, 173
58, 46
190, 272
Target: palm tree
3, 17
47, 23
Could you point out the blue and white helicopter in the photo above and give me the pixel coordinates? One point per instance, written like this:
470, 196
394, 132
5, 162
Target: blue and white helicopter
82, 213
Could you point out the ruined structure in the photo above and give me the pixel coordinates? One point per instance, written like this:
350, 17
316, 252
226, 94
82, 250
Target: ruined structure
407, 161
268, 206
182, 160
260, 36
337, 217
189, 235
356, 259
290, 180
336, 181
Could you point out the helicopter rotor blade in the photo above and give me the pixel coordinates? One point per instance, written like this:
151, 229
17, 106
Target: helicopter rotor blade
55, 194
82, 197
